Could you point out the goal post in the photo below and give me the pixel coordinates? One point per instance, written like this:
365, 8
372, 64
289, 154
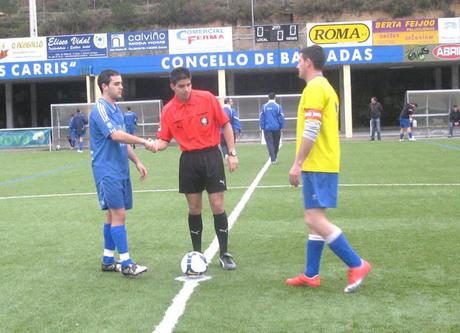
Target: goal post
148, 113
432, 112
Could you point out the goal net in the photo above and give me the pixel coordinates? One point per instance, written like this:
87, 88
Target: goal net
148, 113
432, 113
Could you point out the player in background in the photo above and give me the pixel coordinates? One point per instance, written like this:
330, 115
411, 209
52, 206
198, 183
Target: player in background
110, 155
79, 123
194, 118
454, 119
317, 161
72, 134
375, 112
130, 122
271, 121
234, 121
405, 120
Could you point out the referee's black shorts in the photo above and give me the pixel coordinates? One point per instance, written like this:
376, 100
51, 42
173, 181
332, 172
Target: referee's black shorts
200, 170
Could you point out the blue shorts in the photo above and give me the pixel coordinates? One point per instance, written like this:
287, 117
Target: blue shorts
320, 189
404, 122
114, 193
130, 130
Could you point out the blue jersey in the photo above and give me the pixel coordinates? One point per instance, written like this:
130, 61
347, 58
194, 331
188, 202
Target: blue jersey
108, 158
233, 117
130, 119
271, 116
79, 122
72, 130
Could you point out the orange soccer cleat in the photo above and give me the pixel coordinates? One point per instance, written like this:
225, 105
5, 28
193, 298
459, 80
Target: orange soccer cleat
356, 276
303, 280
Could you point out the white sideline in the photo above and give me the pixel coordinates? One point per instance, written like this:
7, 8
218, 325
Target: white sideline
53, 195
176, 309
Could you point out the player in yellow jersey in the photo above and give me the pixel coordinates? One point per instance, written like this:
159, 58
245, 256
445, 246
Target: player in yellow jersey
317, 161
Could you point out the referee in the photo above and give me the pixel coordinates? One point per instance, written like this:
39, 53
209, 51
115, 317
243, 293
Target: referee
194, 119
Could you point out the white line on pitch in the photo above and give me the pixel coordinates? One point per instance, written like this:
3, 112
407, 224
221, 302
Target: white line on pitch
53, 195
176, 309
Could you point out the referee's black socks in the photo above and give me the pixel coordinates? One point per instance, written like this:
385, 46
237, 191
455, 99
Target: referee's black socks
195, 225
221, 227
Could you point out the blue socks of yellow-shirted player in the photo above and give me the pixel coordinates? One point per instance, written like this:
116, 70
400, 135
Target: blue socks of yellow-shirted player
344, 251
315, 246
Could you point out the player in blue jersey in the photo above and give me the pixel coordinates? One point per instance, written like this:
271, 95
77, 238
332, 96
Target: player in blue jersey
234, 121
130, 122
271, 121
79, 123
110, 154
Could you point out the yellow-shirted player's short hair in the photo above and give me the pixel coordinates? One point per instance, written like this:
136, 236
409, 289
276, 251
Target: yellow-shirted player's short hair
316, 54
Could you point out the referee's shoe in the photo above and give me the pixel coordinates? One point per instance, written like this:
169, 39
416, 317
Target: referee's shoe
226, 261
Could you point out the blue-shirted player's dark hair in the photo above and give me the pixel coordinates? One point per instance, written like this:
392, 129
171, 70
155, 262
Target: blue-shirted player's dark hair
316, 54
226, 100
178, 74
105, 77
271, 95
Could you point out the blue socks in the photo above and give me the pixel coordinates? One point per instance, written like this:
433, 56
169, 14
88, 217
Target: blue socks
344, 251
109, 246
315, 245
120, 239
337, 243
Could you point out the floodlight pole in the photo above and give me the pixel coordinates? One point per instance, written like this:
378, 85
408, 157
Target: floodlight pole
33, 18
252, 25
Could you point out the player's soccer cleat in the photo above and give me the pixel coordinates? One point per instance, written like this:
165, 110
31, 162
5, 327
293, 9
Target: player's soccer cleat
401, 140
412, 139
113, 267
226, 261
133, 270
356, 276
303, 280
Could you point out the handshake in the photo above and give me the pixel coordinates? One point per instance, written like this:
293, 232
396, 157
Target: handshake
151, 145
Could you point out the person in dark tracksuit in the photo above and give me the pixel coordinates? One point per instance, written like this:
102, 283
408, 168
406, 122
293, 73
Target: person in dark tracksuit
271, 121
79, 123
454, 119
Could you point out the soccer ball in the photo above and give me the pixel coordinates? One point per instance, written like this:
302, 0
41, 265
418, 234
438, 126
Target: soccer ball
58, 147
193, 264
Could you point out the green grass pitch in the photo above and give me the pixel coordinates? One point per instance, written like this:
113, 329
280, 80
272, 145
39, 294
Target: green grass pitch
399, 205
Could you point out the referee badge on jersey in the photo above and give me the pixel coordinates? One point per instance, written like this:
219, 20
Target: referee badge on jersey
204, 121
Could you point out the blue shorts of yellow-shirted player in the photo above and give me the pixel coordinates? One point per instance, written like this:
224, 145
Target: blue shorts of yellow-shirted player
320, 189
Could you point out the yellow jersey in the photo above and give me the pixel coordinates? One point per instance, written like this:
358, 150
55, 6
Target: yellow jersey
321, 99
